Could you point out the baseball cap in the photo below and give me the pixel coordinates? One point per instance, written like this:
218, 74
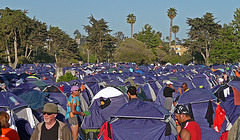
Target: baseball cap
168, 82
50, 108
181, 109
74, 88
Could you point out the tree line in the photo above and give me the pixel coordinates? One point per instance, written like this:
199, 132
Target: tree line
28, 40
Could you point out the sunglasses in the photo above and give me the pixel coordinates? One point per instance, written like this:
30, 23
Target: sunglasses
44, 113
79, 90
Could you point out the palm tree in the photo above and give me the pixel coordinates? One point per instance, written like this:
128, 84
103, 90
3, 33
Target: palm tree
131, 19
171, 13
175, 30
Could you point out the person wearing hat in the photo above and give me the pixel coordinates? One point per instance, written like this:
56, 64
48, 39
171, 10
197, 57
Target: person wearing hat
51, 128
187, 128
73, 110
167, 93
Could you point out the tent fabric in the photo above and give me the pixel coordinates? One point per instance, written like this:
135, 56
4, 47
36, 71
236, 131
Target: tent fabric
22, 88
139, 129
199, 98
17, 109
35, 99
107, 92
196, 95
228, 103
140, 120
200, 81
11, 101
99, 116
141, 109
149, 78
39, 84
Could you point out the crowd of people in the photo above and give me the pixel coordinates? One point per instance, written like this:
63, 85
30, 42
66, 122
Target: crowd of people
51, 128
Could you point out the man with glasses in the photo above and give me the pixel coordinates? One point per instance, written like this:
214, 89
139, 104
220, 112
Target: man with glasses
51, 128
73, 110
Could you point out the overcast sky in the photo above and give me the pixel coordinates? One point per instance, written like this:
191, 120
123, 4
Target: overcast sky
70, 15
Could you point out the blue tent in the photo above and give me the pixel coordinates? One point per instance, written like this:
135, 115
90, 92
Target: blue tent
199, 99
100, 113
201, 81
18, 111
11, 101
225, 94
35, 99
141, 121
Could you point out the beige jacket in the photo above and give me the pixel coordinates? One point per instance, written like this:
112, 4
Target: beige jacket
63, 132
234, 133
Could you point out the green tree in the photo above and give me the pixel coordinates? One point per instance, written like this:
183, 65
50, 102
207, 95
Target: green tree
132, 50
62, 47
226, 47
86, 53
186, 58
175, 30
36, 38
99, 37
120, 37
201, 34
171, 13
66, 77
131, 19
14, 25
160, 55
148, 36
77, 34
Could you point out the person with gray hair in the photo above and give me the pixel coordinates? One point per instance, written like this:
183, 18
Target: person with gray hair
51, 128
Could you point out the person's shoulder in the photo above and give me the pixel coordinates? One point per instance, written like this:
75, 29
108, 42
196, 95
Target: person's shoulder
135, 99
185, 134
166, 88
6, 130
10, 133
61, 124
39, 125
196, 123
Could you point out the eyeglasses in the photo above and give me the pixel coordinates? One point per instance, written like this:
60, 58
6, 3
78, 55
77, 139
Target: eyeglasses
44, 113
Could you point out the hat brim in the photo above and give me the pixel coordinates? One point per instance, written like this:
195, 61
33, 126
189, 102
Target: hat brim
43, 111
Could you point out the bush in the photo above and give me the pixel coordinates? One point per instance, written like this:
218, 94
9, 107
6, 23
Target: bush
66, 77
24, 60
132, 50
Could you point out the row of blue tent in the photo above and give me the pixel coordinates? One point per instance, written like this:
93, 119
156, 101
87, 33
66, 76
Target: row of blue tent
100, 82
